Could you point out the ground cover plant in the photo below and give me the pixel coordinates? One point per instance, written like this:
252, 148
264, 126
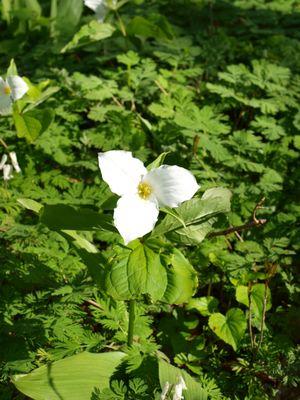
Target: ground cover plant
195, 293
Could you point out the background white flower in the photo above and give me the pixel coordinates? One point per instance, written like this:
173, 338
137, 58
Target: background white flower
7, 172
143, 192
179, 388
11, 89
100, 7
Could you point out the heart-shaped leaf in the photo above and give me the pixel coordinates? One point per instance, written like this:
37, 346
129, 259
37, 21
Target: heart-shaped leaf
230, 328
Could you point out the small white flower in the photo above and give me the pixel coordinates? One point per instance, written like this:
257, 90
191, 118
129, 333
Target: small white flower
11, 89
3, 161
165, 391
179, 389
100, 7
14, 161
143, 192
7, 172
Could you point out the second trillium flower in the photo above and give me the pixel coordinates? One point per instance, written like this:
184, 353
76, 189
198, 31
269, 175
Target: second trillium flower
143, 192
11, 89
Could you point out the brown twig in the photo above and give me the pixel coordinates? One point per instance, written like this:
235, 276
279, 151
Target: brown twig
256, 222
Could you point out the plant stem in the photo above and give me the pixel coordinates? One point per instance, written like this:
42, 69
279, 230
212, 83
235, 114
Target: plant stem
250, 314
263, 318
131, 311
3, 144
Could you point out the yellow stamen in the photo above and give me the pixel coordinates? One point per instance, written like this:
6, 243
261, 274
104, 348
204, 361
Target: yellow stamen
144, 190
7, 90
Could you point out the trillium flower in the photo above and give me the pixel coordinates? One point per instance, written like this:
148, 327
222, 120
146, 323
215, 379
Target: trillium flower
11, 89
100, 7
143, 192
179, 388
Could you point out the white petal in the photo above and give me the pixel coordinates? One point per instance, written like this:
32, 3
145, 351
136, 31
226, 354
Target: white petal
3, 161
165, 391
179, 389
134, 217
93, 4
14, 161
172, 185
121, 171
7, 172
5, 99
18, 86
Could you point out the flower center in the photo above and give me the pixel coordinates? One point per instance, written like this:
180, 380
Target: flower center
7, 90
144, 190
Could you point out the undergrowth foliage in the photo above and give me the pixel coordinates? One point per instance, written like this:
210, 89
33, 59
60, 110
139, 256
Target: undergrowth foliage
210, 85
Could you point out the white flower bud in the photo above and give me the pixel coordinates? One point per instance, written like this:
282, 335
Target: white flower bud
179, 388
165, 391
14, 161
7, 172
3, 161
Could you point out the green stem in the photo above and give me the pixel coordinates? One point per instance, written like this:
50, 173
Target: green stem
131, 322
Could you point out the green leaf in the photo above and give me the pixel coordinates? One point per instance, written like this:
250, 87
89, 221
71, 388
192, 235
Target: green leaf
31, 205
12, 69
72, 378
257, 298
204, 305
197, 215
27, 126
140, 273
63, 217
158, 161
171, 374
230, 328
182, 280
68, 16
91, 32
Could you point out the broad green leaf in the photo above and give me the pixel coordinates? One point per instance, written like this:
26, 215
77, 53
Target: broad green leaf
197, 215
92, 32
146, 273
257, 298
140, 272
27, 126
171, 374
182, 280
204, 305
230, 328
68, 16
63, 217
145, 28
72, 378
